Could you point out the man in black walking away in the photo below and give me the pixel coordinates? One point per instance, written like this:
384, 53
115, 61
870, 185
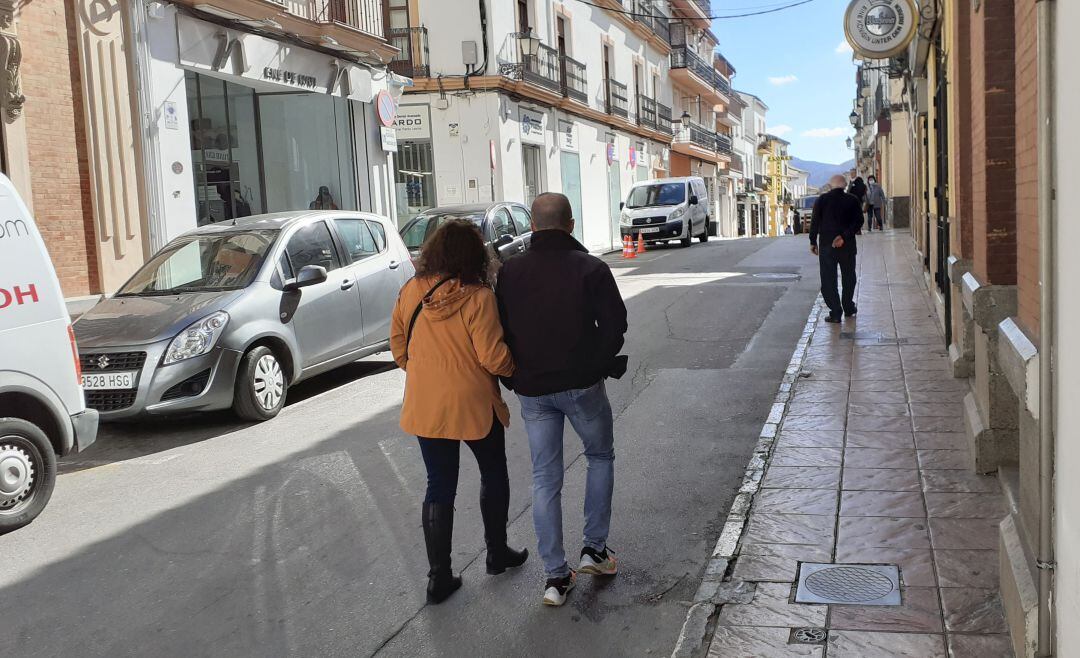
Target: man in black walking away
836, 219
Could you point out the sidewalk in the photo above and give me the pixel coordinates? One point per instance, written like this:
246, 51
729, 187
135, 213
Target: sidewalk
869, 466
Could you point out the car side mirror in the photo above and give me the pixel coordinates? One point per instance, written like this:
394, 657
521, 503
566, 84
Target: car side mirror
622, 205
503, 241
693, 199
309, 275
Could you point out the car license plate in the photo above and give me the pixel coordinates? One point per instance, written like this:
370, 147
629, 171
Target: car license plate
109, 380
655, 229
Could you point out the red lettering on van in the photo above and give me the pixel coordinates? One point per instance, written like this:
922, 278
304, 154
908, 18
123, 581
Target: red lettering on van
21, 296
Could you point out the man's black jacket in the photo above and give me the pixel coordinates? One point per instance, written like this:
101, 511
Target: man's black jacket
562, 313
836, 213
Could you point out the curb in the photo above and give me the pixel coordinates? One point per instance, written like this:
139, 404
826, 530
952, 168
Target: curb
713, 590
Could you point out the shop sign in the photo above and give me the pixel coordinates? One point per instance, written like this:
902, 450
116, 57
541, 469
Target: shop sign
171, 120
879, 29
215, 155
532, 126
568, 137
389, 139
242, 57
413, 122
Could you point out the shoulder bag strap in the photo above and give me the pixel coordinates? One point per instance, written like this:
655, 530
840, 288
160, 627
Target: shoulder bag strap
416, 313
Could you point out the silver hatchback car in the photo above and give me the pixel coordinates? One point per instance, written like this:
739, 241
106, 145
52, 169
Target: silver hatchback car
232, 314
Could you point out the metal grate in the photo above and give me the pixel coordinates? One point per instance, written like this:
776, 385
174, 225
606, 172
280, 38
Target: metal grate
98, 362
808, 636
110, 400
851, 584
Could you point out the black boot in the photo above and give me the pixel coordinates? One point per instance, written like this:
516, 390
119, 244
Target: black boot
438, 519
495, 508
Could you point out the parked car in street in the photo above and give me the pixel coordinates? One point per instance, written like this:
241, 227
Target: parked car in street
506, 226
667, 209
233, 314
804, 206
42, 412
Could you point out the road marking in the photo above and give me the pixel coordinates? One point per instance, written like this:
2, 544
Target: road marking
393, 465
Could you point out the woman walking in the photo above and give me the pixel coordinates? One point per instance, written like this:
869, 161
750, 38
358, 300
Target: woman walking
447, 337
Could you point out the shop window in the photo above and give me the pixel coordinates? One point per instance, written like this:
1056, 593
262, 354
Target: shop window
414, 178
312, 245
532, 157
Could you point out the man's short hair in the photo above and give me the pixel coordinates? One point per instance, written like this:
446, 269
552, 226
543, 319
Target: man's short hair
838, 182
552, 210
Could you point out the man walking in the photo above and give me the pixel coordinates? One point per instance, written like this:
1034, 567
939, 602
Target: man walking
836, 219
875, 204
564, 321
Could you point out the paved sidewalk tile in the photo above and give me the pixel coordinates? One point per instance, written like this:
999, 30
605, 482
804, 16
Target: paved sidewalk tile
871, 465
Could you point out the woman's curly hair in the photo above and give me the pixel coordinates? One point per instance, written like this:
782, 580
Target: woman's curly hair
456, 249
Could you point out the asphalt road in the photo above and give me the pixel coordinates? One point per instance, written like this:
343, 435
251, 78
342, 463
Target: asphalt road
301, 536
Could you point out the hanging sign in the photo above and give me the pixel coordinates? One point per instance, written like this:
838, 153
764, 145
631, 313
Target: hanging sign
632, 157
879, 29
389, 139
610, 153
386, 107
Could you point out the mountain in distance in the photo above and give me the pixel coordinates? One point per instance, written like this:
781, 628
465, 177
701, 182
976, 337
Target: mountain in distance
820, 172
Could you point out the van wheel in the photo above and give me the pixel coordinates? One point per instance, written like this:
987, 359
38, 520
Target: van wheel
689, 239
260, 385
704, 237
27, 472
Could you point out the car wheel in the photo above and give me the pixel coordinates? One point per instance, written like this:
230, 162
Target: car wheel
27, 472
260, 385
689, 239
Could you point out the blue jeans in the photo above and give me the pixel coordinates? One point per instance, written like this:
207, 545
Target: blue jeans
589, 412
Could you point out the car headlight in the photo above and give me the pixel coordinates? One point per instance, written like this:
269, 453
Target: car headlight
677, 213
625, 220
198, 339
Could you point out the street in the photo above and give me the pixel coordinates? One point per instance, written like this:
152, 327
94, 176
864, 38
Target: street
301, 536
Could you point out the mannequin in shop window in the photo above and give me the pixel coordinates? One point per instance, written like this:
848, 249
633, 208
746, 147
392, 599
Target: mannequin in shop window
324, 201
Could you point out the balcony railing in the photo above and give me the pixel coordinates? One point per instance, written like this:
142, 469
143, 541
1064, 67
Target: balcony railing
412, 60
647, 13
697, 135
705, 6
616, 97
723, 144
363, 15
684, 58
574, 83
761, 182
543, 69
663, 119
646, 111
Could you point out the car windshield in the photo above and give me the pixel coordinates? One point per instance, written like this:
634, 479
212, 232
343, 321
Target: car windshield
203, 263
424, 225
659, 194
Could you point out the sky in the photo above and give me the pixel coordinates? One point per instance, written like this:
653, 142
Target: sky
799, 64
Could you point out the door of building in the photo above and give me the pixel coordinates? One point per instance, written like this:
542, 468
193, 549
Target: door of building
614, 198
531, 159
570, 164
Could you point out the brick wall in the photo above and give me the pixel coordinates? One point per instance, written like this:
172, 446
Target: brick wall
1027, 182
993, 89
55, 131
960, 182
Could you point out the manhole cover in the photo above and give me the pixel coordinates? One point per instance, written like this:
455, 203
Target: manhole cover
859, 584
776, 275
807, 636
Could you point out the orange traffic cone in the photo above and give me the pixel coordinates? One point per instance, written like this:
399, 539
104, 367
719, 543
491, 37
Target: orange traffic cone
632, 252
626, 246
640, 243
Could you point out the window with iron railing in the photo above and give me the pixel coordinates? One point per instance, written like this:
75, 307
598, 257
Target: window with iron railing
723, 144
543, 69
682, 57
574, 83
412, 58
616, 97
663, 119
646, 113
697, 135
363, 15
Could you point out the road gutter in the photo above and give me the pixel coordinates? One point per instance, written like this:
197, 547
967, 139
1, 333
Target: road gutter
713, 590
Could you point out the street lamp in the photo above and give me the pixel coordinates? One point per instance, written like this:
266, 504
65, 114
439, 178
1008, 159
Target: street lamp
530, 45
848, 142
685, 120
853, 117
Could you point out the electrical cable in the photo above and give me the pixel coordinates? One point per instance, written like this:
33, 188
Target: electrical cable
712, 18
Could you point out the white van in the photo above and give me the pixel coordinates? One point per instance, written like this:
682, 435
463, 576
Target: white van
667, 209
42, 411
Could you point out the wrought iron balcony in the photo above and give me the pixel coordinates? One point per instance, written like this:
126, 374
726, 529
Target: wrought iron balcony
363, 15
761, 183
646, 111
663, 119
542, 69
616, 98
684, 58
574, 83
647, 13
697, 135
412, 60
723, 144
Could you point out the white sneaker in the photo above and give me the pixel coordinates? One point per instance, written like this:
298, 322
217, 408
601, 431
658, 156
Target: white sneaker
598, 563
556, 589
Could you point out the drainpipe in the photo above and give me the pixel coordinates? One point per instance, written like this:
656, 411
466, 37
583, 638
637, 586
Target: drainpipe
1045, 563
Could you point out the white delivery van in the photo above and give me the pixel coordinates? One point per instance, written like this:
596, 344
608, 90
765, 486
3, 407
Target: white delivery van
667, 209
42, 411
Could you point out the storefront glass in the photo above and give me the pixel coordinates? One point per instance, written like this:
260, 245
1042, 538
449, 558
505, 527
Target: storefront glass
414, 179
267, 152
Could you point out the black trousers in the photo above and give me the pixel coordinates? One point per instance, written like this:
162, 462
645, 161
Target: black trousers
829, 259
442, 458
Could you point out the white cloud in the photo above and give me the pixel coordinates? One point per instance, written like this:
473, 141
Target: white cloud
780, 130
826, 132
782, 80
843, 48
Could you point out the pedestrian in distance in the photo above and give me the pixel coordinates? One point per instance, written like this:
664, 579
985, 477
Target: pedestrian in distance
875, 204
446, 336
564, 320
836, 220
858, 190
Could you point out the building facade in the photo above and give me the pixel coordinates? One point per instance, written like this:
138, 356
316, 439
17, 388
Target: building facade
883, 138
752, 200
528, 97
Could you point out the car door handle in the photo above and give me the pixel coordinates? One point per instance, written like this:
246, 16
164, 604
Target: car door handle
394, 264
347, 283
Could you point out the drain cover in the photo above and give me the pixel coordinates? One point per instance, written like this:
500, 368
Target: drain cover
776, 275
807, 636
851, 584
